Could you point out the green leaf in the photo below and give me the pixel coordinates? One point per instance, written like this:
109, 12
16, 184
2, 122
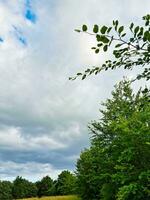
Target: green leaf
148, 48
147, 23
146, 36
100, 44
95, 28
131, 26
136, 30
103, 29
109, 29
104, 39
105, 48
116, 24
97, 51
120, 29
77, 30
118, 45
98, 37
84, 76
141, 32
84, 28
87, 70
79, 74
131, 39
123, 35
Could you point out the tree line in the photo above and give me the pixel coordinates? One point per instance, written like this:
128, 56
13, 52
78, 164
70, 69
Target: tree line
22, 188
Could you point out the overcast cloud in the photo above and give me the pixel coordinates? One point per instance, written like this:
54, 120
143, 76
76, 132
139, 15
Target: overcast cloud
43, 115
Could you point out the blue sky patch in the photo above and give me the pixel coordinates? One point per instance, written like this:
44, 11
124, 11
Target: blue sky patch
30, 15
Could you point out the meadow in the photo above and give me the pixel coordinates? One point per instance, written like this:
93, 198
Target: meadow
70, 197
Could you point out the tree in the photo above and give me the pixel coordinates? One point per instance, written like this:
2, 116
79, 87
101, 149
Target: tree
22, 188
66, 183
45, 187
117, 164
6, 190
130, 48
88, 179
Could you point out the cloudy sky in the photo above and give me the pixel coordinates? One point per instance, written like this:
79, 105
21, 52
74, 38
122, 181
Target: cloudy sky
43, 115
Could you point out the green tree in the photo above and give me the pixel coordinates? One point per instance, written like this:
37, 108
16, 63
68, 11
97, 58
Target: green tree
117, 164
66, 183
88, 179
130, 47
22, 188
45, 187
6, 190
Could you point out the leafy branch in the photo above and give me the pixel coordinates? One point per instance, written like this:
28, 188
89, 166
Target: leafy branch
129, 50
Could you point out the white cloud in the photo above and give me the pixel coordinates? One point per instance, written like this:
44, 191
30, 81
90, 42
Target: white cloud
30, 170
13, 138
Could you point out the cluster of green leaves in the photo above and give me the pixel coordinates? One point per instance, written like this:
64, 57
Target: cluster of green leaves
117, 165
131, 48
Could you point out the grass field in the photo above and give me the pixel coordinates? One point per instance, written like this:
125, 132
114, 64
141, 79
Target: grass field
55, 198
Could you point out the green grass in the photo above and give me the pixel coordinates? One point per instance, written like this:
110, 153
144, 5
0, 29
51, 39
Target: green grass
55, 198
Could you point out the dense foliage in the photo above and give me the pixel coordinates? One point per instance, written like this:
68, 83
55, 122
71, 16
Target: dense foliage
6, 190
66, 183
117, 166
45, 186
130, 47
22, 188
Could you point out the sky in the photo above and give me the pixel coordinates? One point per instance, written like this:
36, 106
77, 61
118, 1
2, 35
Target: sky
43, 115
